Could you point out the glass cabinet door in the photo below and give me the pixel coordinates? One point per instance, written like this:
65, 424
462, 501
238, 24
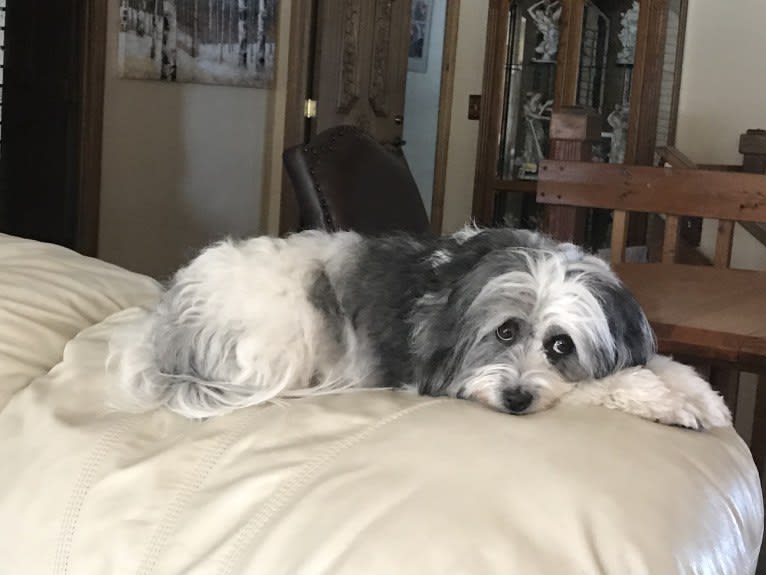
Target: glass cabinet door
607, 58
604, 84
528, 94
671, 71
596, 64
531, 50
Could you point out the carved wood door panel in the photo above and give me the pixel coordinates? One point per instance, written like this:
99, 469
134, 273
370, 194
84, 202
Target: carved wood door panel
360, 65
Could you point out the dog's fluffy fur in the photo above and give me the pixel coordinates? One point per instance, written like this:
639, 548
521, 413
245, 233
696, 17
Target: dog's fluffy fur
504, 317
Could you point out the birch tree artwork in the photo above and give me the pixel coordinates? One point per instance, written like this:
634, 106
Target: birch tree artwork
229, 42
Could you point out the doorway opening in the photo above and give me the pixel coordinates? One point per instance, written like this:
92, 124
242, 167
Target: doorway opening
387, 67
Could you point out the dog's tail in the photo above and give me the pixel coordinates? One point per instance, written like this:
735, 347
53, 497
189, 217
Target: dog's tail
154, 369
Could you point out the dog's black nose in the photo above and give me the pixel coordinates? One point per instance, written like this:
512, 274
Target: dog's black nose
517, 400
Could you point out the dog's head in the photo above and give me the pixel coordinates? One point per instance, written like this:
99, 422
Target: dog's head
523, 325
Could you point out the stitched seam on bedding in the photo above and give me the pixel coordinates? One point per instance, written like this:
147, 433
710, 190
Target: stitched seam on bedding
286, 492
81, 489
180, 500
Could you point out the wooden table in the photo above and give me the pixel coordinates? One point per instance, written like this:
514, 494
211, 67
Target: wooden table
710, 315
703, 312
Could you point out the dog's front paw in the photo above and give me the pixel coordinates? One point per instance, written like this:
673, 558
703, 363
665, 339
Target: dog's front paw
692, 395
684, 416
648, 397
664, 391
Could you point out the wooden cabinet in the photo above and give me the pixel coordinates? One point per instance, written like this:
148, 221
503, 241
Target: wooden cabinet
619, 60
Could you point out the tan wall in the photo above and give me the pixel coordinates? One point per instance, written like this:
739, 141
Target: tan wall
461, 159
724, 77
182, 165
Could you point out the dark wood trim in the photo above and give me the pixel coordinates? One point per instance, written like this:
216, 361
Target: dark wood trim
91, 122
645, 92
709, 346
647, 82
522, 186
720, 167
568, 57
299, 73
491, 111
444, 122
678, 71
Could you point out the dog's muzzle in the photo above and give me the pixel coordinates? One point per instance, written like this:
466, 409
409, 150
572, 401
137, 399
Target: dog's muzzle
517, 400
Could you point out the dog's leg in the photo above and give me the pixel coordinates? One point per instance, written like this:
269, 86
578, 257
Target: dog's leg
683, 380
240, 325
664, 391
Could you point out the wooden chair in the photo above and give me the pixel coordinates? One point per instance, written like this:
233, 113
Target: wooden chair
705, 314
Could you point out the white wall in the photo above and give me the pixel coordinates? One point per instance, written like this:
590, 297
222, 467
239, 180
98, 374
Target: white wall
421, 109
181, 166
461, 158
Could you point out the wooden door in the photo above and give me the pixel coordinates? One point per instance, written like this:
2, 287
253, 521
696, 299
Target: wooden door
51, 119
350, 57
360, 66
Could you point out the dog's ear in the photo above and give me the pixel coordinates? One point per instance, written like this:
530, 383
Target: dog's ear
439, 338
434, 326
443, 328
632, 334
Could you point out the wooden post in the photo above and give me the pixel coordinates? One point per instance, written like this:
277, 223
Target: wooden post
752, 146
573, 132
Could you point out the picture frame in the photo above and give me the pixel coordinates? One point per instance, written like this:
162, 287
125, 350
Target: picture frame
420, 35
221, 42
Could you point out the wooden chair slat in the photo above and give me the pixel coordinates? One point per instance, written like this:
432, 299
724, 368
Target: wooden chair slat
619, 236
758, 438
678, 192
675, 157
724, 242
670, 240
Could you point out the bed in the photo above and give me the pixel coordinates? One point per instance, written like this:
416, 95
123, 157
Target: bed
373, 482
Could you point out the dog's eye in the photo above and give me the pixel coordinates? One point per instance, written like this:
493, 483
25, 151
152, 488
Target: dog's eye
559, 346
507, 332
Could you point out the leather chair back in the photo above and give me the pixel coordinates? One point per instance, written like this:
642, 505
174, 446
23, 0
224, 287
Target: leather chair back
345, 180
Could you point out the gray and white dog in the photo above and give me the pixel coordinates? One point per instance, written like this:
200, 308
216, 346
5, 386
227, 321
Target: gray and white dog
504, 317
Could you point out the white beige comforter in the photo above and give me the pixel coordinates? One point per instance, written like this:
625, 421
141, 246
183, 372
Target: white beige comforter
363, 483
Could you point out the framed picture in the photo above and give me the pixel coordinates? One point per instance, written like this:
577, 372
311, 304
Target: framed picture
227, 42
420, 33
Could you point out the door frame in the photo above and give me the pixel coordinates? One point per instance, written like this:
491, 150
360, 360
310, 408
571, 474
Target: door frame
92, 62
299, 86
444, 120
